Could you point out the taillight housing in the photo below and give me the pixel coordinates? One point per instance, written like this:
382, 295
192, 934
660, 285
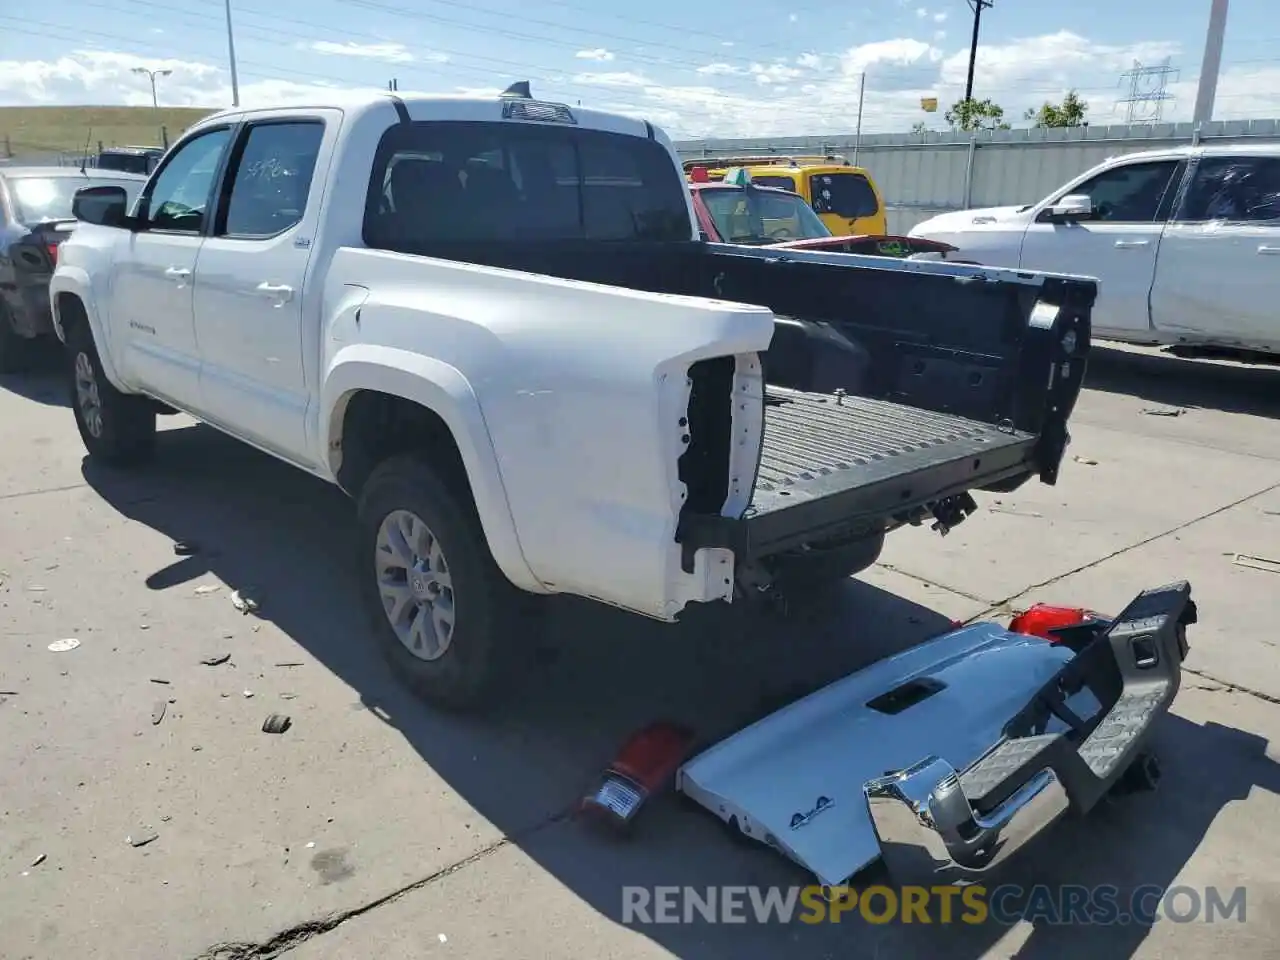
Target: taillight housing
1046, 621
641, 768
52, 249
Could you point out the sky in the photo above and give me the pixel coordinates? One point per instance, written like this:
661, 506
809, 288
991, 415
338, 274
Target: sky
748, 68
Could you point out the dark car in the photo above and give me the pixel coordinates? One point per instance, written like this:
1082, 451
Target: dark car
35, 217
129, 159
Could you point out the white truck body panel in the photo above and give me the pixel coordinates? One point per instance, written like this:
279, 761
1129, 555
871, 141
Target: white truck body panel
262, 341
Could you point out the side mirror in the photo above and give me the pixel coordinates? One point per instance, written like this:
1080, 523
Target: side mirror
1074, 206
106, 206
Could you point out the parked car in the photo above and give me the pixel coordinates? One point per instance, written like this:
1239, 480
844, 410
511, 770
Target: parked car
492, 323
844, 196
129, 159
737, 210
35, 218
1185, 242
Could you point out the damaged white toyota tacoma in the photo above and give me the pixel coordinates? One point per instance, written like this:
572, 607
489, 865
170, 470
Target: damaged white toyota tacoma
494, 324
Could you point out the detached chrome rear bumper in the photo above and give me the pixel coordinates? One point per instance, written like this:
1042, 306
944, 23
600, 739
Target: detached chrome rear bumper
1001, 734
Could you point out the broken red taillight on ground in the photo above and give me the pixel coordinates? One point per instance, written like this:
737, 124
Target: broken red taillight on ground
642, 767
1046, 621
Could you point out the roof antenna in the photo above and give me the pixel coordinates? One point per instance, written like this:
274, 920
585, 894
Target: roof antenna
518, 90
84, 154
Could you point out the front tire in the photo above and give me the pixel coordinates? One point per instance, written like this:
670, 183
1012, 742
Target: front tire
117, 428
446, 618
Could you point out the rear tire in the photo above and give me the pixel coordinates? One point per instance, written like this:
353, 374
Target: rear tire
446, 619
821, 569
118, 429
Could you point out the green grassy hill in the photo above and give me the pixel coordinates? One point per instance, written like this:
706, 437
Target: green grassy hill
43, 131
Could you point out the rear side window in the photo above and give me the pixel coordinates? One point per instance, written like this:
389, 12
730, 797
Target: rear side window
1240, 189
271, 179
844, 194
479, 182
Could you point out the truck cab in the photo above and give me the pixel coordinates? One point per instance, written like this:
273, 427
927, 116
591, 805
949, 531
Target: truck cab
1183, 241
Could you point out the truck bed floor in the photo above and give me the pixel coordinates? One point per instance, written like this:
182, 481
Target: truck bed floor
874, 454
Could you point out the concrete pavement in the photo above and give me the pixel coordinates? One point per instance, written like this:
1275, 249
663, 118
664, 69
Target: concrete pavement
374, 828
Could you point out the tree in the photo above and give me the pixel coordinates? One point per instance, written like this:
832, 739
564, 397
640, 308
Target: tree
976, 115
1069, 113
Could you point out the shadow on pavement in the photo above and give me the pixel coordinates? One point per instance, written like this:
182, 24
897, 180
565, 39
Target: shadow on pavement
602, 674
42, 382
1163, 378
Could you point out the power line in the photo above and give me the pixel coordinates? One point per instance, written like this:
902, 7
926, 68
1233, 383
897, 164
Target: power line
1147, 91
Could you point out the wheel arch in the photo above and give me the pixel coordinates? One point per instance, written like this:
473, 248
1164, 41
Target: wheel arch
380, 402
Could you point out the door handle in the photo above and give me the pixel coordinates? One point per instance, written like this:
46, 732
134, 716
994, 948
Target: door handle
1131, 244
1265, 249
178, 273
280, 292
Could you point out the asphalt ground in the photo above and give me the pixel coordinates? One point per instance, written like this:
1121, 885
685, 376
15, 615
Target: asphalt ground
375, 828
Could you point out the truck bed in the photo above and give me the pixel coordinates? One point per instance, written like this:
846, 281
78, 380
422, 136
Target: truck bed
862, 458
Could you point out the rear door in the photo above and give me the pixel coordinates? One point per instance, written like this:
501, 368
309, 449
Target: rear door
1218, 275
250, 281
1117, 245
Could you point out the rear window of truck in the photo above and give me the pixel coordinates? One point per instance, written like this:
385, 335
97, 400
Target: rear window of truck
844, 194
463, 181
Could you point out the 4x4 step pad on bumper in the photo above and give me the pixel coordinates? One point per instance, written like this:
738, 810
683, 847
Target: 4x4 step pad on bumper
809, 435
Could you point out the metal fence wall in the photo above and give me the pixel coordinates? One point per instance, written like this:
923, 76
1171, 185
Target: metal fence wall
921, 175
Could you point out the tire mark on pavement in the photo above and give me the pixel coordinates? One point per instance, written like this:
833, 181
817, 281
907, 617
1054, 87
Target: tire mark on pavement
36, 493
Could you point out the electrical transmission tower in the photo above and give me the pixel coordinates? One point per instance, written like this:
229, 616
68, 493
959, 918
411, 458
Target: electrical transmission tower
1148, 91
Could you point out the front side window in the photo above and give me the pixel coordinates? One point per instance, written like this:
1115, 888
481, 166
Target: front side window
271, 178
1240, 189
481, 182
178, 199
1128, 194
843, 194
38, 199
761, 216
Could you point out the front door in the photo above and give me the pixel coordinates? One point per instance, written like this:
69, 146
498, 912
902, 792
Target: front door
1116, 245
250, 279
154, 272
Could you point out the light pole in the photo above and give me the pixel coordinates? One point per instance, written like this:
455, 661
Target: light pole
155, 101
976, 6
1211, 65
231, 54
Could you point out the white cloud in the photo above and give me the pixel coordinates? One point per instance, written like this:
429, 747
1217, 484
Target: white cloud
718, 70
939, 36
940, 17
780, 98
599, 53
617, 78
726, 43
793, 18
921, 12
387, 52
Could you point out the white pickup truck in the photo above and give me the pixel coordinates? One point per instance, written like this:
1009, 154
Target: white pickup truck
493, 323
1185, 243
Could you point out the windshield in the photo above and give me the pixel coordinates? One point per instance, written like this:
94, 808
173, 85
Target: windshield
37, 199
761, 216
